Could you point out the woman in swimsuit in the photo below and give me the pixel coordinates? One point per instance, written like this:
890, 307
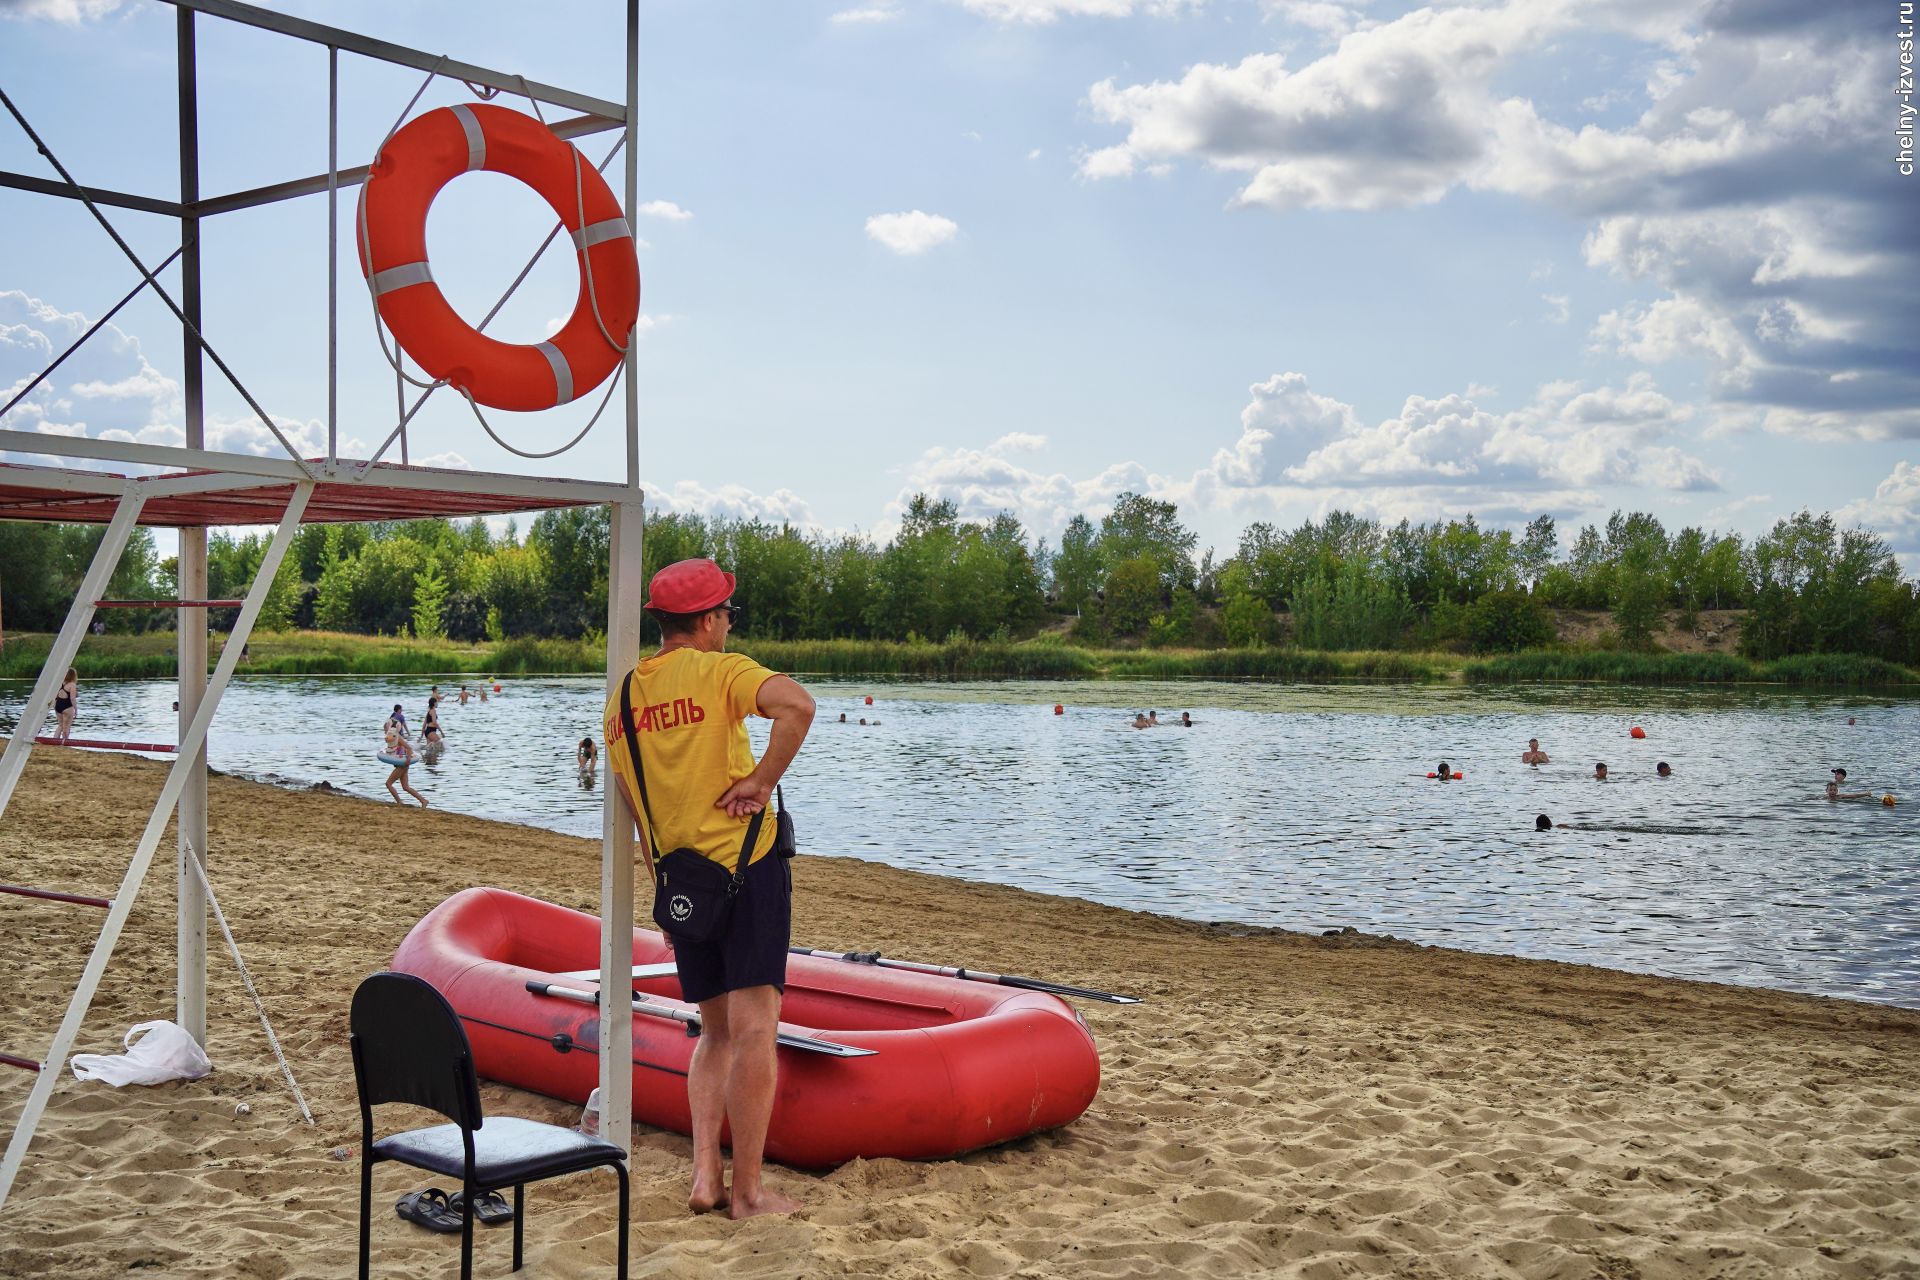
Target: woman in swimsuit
430, 727
66, 703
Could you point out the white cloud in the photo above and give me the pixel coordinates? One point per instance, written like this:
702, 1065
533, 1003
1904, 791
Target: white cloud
1751, 190
1559, 308
912, 232
1018, 442
733, 501
880, 11
666, 209
984, 482
71, 12
1034, 154
1567, 439
1893, 511
1042, 12
1328, 19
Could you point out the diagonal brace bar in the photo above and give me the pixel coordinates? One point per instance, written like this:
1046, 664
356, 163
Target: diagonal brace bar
67, 643
184, 764
159, 289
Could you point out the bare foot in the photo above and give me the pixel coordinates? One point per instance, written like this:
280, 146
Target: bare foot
768, 1201
708, 1194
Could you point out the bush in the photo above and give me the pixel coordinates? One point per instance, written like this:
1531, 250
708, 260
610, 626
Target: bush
1507, 622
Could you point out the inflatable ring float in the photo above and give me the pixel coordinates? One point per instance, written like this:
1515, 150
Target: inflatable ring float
413, 166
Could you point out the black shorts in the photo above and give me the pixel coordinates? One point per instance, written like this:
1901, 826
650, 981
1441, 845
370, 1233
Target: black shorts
753, 950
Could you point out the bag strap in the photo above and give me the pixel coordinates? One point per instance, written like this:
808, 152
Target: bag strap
646, 807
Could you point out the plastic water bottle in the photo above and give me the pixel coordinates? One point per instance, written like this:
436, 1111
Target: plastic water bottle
590, 1115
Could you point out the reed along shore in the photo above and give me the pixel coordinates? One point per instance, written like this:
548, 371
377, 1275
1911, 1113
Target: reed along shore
1283, 1104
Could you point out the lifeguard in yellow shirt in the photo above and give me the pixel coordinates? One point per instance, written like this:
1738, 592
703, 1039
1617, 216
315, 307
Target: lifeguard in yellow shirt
690, 702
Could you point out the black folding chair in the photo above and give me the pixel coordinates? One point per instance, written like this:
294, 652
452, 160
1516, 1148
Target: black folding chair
409, 1046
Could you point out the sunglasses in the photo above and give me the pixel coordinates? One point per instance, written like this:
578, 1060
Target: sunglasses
732, 611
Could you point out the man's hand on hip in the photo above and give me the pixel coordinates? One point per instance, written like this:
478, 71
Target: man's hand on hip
745, 798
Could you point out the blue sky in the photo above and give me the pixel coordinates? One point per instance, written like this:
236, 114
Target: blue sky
1263, 258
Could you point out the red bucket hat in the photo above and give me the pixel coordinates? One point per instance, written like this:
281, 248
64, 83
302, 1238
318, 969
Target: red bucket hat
689, 586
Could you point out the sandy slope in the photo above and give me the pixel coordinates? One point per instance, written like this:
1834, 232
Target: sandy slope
1284, 1105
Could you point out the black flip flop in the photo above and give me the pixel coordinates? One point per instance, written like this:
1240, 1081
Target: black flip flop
430, 1209
490, 1206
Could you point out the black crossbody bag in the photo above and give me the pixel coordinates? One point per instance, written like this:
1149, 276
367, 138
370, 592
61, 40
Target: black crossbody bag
692, 894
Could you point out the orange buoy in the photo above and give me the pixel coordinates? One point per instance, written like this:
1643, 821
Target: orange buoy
496, 688
1059, 710
869, 699
409, 172
1636, 732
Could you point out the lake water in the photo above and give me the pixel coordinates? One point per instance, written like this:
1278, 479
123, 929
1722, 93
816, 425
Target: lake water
1300, 806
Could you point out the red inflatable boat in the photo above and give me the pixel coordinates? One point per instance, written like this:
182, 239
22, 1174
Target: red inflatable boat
953, 1065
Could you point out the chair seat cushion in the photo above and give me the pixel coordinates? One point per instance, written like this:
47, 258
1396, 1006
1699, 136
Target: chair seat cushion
506, 1150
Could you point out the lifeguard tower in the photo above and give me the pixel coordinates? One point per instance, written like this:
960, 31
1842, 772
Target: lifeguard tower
190, 487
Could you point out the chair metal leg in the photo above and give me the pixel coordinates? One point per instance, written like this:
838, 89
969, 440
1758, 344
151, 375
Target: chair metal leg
466, 1233
366, 1222
620, 1171
519, 1217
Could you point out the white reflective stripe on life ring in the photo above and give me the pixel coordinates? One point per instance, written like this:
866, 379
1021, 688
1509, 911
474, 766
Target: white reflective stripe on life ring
601, 232
476, 139
562, 371
400, 277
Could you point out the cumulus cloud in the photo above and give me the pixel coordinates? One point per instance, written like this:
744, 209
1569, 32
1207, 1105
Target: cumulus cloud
1893, 511
1567, 440
911, 232
982, 483
666, 209
732, 501
1042, 12
882, 11
71, 12
1753, 190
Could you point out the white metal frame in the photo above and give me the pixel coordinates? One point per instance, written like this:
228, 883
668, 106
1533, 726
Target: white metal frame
185, 787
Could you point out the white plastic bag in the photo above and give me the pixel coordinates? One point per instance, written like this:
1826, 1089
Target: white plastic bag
164, 1052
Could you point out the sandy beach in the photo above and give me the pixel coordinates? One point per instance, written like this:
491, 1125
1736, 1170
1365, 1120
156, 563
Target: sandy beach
1282, 1104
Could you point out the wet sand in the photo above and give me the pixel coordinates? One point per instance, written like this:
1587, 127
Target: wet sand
1282, 1105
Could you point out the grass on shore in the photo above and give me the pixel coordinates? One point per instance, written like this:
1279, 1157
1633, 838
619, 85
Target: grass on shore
150, 656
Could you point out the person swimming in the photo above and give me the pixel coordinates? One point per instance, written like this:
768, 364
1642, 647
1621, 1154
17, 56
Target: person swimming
1835, 793
1186, 721
463, 695
1543, 823
1663, 770
1533, 754
1444, 772
1599, 772
587, 755
1140, 721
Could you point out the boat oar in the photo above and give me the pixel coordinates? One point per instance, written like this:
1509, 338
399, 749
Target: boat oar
691, 1019
971, 975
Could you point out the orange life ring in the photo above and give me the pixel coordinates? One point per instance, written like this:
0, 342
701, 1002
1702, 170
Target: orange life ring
409, 172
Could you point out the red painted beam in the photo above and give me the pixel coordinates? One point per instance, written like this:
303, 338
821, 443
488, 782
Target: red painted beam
168, 604
104, 744
54, 895
25, 1064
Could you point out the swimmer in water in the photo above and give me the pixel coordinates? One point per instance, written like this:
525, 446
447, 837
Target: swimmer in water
1543, 823
1153, 719
1835, 793
1445, 772
587, 755
430, 727
843, 717
1186, 721
1599, 773
1663, 770
1140, 721
463, 695
1533, 754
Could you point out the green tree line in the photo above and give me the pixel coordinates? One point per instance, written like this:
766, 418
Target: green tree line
1135, 576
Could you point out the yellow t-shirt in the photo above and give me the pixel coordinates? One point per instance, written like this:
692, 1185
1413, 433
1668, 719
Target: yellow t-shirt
690, 708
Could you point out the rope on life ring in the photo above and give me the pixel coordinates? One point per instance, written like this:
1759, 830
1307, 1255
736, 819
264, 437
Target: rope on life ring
412, 166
